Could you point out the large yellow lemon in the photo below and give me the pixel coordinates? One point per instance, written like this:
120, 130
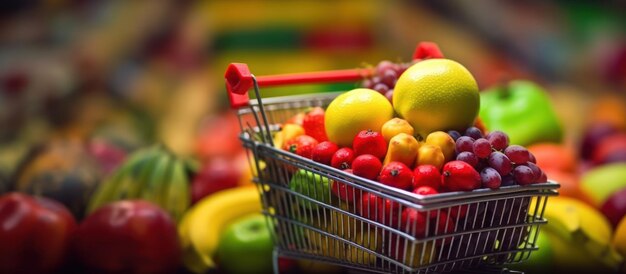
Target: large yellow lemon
437, 94
353, 111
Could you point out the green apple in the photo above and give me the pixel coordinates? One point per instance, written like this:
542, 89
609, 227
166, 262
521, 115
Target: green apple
312, 185
523, 110
246, 246
541, 260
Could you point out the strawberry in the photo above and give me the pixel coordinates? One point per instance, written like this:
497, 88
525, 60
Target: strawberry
313, 124
370, 142
396, 174
302, 145
460, 176
366, 166
426, 175
323, 152
342, 159
342, 190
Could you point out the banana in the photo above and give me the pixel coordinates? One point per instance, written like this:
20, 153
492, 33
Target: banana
152, 189
580, 224
201, 226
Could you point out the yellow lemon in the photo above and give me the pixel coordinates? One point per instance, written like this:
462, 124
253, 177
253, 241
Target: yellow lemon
353, 111
437, 94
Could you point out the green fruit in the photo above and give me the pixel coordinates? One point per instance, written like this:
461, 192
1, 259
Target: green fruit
600, 182
311, 185
541, 260
523, 110
246, 246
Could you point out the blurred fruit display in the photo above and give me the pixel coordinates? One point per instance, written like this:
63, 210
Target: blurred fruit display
62, 170
35, 233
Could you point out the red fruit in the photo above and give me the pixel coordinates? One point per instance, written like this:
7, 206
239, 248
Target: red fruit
35, 234
342, 159
388, 213
313, 124
366, 166
214, 176
425, 190
396, 174
370, 142
443, 225
426, 175
457, 212
369, 206
413, 222
342, 190
460, 176
302, 145
323, 152
131, 236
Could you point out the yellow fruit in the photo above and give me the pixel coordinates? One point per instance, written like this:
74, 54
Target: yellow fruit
443, 141
342, 224
402, 148
394, 127
371, 241
353, 111
437, 94
619, 238
288, 132
430, 155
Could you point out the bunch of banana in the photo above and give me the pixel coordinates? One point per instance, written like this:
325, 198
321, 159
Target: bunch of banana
580, 236
153, 174
202, 225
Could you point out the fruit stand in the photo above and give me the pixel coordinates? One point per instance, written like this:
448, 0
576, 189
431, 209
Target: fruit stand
361, 214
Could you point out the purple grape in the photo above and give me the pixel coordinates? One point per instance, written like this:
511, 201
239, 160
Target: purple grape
482, 148
468, 157
482, 164
500, 163
389, 78
498, 140
367, 83
474, 132
454, 134
464, 143
532, 158
523, 175
508, 180
517, 154
536, 171
542, 178
385, 65
389, 95
490, 178
382, 88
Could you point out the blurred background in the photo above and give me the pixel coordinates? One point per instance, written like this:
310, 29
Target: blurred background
116, 76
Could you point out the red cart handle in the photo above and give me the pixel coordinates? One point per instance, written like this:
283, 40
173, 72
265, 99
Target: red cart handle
239, 79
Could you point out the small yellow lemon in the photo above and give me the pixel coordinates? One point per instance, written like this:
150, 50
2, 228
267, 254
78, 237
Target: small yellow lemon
437, 94
353, 111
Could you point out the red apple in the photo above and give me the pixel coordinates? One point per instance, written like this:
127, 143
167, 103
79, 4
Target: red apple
34, 234
128, 237
217, 174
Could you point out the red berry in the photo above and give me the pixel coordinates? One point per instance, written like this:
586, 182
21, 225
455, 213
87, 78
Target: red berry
366, 166
369, 206
302, 145
457, 212
426, 175
370, 142
425, 190
460, 176
313, 124
342, 190
388, 212
442, 225
397, 174
413, 222
323, 152
342, 159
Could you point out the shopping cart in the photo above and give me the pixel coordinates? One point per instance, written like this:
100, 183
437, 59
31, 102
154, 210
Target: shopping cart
465, 231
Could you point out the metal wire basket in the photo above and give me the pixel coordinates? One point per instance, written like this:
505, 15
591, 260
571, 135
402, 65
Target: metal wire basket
464, 230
